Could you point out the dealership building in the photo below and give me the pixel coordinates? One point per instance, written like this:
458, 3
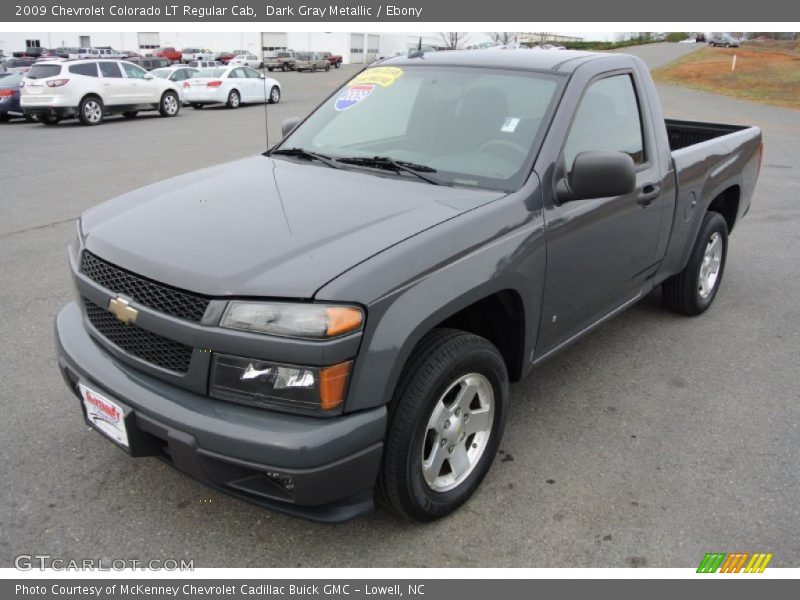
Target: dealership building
355, 48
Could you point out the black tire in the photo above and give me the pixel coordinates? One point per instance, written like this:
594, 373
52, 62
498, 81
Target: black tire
337, 65
49, 119
269, 69
234, 99
274, 95
197, 106
130, 114
327, 67
4, 117
438, 361
313, 68
681, 292
91, 111
169, 105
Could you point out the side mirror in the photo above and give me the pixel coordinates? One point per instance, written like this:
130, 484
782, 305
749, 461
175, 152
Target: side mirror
597, 175
262, 76
149, 76
289, 124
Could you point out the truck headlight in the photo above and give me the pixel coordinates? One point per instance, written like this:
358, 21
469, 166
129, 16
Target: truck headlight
310, 390
293, 319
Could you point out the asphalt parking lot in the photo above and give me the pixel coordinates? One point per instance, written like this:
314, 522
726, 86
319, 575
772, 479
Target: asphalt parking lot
650, 442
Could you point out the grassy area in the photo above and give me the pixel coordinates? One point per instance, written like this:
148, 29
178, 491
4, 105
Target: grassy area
768, 73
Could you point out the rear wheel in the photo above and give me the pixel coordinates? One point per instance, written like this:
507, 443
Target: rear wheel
130, 114
328, 67
4, 117
692, 291
447, 420
274, 95
90, 111
170, 104
234, 99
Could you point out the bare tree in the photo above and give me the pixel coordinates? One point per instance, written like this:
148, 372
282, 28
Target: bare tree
453, 40
503, 38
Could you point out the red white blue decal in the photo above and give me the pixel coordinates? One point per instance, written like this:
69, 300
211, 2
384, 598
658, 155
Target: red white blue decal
354, 95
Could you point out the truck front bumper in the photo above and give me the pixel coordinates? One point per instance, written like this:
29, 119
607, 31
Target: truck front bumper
322, 469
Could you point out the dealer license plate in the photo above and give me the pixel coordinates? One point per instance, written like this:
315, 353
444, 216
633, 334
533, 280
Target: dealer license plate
105, 415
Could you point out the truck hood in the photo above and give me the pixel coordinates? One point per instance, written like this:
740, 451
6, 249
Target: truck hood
266, 227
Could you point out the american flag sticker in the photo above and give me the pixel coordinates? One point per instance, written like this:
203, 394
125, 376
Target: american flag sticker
353, 95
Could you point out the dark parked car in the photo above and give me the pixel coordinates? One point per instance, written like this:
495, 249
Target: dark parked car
150, 62
9, 97
19, 65
339, 318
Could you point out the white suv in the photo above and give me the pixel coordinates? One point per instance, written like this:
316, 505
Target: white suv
92, 89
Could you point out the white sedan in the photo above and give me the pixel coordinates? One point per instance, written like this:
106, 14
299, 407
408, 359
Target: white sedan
231, 85
178, 74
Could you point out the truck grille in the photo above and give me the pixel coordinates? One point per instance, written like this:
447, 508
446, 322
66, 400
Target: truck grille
158, 296
139, 342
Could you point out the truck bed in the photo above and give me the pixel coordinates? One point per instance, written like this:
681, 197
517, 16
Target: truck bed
687, 133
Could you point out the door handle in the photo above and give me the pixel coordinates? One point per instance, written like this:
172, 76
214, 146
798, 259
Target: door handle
648, 194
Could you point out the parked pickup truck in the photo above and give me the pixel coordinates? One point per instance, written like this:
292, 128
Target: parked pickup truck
172, 54
334, 59
339, 318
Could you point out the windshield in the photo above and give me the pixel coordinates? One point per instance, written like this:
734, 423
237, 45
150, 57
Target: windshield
209, 73
162, 73
475, 127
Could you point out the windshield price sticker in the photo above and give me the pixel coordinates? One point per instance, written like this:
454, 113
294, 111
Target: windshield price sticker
382, 76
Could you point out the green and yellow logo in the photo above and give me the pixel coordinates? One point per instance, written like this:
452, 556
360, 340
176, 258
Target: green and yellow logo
735, 562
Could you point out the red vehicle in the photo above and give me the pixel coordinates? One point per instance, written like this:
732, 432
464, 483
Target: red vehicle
334, 59
170, 53
225, 57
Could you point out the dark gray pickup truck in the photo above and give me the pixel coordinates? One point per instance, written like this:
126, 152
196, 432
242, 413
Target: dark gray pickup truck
338, 319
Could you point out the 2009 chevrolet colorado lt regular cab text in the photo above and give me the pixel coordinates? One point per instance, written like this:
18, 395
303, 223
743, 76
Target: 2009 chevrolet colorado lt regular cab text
340, 317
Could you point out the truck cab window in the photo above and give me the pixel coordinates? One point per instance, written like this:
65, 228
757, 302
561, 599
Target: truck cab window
607, 120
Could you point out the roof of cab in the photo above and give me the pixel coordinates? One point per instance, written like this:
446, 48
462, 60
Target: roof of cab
559, 61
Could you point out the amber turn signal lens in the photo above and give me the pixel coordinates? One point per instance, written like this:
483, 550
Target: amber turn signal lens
342, 319
332, 382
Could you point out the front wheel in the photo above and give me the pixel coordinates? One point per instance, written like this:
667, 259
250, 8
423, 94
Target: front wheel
692, 291
274, 95
170, 105
448, 416
327, 67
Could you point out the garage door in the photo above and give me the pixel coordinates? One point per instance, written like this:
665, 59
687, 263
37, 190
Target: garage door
357, 48
373, 47
273, 41
149, 42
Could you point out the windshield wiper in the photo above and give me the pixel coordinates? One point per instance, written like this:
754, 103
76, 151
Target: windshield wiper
302, 153
384, 162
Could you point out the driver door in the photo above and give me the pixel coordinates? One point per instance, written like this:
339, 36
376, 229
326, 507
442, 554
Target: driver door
600, 251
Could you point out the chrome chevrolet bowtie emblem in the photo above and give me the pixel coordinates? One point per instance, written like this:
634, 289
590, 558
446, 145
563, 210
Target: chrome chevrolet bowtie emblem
121, 309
